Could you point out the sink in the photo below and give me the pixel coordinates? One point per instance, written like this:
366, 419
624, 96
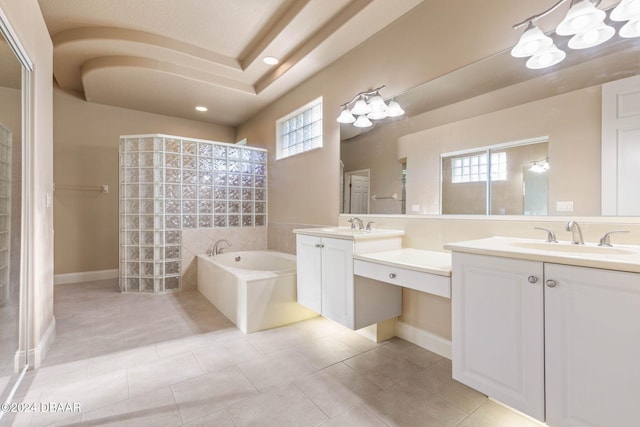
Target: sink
352, 234
575, 249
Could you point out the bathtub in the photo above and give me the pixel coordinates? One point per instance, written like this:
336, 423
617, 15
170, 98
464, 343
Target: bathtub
256, 290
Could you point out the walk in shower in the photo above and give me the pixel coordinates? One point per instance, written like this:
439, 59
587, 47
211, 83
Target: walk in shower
170, 183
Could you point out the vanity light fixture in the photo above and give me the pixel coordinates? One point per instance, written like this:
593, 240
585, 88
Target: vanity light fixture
540, 166
584, 22
367, 106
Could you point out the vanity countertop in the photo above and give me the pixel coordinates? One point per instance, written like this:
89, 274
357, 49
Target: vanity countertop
413, 259
349, 234
618, 257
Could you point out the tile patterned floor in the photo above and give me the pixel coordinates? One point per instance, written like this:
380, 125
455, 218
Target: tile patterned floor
174, 360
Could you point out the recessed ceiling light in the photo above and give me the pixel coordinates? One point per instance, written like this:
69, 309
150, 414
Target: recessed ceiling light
270, 60
201, 108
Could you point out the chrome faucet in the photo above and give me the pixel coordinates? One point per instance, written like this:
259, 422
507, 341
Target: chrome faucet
606, 239
216, 249
574, 228
355, 220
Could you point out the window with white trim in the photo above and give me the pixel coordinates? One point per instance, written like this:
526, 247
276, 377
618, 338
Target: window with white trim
300, 131
475, 168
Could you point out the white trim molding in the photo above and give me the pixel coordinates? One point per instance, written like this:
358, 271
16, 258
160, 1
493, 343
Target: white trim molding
37, 354
85, 276
424, 339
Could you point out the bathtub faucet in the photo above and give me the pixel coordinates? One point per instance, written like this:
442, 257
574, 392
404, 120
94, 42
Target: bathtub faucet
216, 248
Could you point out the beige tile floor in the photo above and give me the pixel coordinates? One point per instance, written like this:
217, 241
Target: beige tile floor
172, 360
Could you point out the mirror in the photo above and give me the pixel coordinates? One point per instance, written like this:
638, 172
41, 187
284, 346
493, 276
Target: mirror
12, 304
495, 101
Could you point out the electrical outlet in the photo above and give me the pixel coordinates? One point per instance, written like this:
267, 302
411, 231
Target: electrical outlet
564, 206
415, 208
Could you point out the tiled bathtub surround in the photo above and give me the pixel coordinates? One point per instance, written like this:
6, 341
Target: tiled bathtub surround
198, 241
169, 184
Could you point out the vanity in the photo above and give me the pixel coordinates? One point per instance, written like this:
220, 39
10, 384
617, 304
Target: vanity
325, 277
550, 329
355, 277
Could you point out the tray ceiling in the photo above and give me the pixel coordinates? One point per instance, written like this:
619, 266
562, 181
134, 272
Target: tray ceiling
168, 56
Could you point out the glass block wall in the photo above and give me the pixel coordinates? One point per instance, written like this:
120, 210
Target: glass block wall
169, 183
5, 211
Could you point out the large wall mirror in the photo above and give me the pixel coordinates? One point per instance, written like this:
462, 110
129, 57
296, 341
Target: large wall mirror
13, 307
494, 102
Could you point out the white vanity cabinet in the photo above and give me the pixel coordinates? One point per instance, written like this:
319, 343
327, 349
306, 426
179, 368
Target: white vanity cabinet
558, 342
592, 342
326, 284
498, 329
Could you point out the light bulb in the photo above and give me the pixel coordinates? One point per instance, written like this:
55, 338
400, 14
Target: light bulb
395, 110
626, 10
362, 122
549, 57
581, 15
345, 116
631, 29
592, 37
532, 41
361, 107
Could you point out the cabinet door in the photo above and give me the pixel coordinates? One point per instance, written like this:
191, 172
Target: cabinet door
309, 272
337, 281
497, 325
592, 340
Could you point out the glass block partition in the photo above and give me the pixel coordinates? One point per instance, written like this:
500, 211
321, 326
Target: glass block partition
168, 183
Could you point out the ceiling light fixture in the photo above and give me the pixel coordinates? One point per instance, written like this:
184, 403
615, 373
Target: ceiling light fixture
201, 108
367, 106
584, 22
270, 60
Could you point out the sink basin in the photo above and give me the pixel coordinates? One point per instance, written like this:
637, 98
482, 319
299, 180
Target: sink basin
575, 249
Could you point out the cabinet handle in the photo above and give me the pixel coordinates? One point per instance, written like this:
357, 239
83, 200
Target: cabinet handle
392, 275
551, 283
532, 279
319, 245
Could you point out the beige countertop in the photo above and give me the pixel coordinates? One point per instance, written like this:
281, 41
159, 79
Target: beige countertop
413, 259
618, 257
349, 234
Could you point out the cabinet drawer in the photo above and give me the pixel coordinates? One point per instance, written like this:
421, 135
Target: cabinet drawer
418, 280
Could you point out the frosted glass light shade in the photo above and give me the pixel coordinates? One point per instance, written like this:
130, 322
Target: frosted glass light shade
346, 116
592, 37
532, 41
626, 10
377, 104
362, 122
549, 57
361, 108
631, 29
582, 15
395, 110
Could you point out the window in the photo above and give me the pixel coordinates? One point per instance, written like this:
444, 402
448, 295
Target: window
475, 168
300, 131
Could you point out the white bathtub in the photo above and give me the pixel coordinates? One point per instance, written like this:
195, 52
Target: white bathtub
256, 290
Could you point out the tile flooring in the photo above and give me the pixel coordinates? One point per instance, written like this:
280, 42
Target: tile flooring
172, 360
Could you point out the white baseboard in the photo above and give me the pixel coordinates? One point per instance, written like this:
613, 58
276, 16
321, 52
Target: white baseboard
85, 276
424, 339
38, 353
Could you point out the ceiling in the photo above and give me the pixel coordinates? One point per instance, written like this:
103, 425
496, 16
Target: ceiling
169, 56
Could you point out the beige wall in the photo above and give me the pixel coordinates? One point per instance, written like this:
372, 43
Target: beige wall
305, 189
26, 20
86, 138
